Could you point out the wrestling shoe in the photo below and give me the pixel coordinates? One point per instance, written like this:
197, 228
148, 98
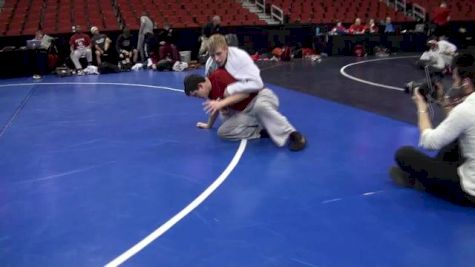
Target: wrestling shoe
297, 141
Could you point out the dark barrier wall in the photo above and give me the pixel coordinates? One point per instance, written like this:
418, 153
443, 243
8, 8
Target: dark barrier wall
344, 44
251, 37
264, 38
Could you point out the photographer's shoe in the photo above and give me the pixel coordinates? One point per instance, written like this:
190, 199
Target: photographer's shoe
296, 141
401, 177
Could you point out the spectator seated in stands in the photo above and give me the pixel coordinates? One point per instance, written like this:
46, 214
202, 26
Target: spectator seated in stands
167, 38
372, 27
388, 25
357, 27
338, 29
80, 45
127, 53
45, 39
101, 44
40, 55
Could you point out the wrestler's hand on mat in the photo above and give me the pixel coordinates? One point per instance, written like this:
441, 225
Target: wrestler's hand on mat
202, 125
212, 106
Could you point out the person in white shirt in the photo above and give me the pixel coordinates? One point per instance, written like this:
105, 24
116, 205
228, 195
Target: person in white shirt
237, 62
439, 56
446, 50
432, 58
451, 174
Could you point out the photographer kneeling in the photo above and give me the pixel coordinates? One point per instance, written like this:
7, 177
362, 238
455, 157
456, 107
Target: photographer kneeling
451, 174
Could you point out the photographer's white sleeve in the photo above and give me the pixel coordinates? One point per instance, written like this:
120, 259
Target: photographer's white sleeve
447, 131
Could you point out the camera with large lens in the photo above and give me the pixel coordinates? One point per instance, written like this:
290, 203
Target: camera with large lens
425, 89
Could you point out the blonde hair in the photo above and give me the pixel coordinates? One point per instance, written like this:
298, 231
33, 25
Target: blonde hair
216, 41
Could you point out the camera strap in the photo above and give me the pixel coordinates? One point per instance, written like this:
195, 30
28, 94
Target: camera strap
428, 78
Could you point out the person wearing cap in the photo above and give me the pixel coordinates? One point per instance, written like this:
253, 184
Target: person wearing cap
101, 44
125, 47
245, 115
80, 45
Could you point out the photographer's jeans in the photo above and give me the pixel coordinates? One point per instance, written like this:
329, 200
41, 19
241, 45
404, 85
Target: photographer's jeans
438, 175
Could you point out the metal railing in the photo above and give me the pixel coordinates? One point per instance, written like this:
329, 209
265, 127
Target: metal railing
261, 4
400, 5
418, 12
277, 13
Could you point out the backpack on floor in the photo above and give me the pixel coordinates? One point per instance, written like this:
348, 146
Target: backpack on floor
53, 56
359, 51
63, 71
164, 65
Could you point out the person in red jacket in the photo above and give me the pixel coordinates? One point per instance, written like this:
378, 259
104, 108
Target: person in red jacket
357, 28
80, 45
440, 18
245, 115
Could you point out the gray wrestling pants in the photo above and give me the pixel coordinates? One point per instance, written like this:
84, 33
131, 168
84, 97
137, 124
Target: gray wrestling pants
261, 113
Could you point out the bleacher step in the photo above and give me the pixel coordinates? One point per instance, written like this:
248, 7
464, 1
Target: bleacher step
262, 15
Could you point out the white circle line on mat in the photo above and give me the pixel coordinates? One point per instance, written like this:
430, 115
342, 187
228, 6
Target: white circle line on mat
344, 73
185, 211
92, 83
180, 215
